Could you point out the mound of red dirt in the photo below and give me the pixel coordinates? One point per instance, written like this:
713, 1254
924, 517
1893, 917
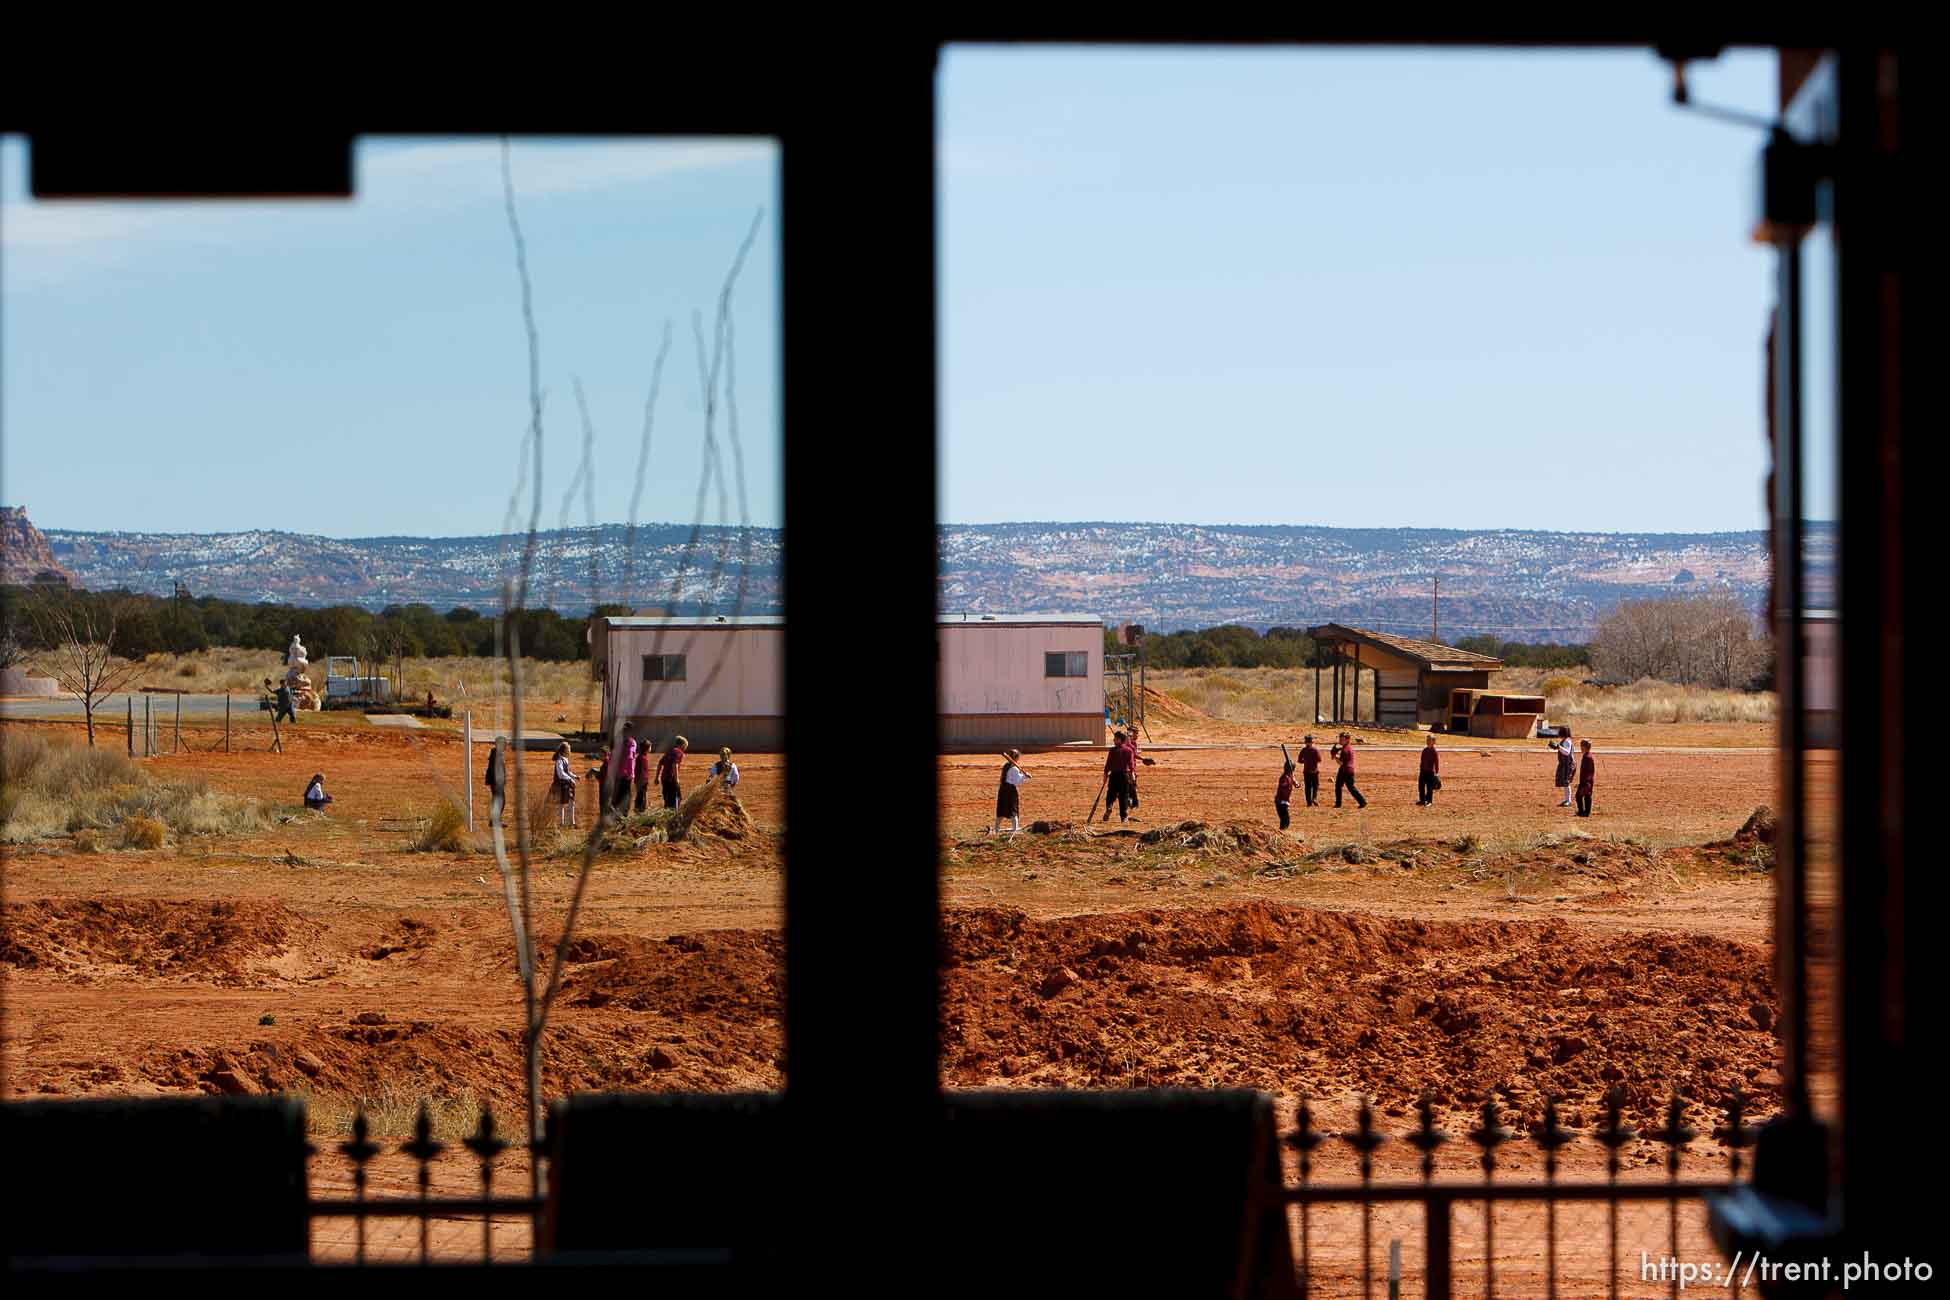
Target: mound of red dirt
216, 942
1295, 1000
1288, 999
410, 937
738, 973
1159, 707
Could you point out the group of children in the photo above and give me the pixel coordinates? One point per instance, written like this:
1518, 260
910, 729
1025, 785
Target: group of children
635, 764
1585, 770
1308, 762
1121, 763
1428, 779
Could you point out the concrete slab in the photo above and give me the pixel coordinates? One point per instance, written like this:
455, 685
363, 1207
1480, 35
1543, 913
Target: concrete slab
529, 739
394, 720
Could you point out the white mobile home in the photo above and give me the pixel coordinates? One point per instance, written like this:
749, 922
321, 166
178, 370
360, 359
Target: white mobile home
1023, 679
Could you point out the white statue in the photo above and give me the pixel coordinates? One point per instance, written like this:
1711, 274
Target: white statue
294, 655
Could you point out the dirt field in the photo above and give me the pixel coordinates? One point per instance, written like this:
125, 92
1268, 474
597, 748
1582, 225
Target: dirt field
1489, 946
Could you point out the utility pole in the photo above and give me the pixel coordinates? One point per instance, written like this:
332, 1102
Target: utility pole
1435, 607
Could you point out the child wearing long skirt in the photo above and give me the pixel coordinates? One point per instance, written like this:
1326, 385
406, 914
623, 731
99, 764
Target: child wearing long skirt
564, 787
1566, 768
1008, 792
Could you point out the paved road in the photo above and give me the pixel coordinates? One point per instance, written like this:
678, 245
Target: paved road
161, 706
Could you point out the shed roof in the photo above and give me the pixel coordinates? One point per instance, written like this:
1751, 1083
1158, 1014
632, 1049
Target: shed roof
1428, 653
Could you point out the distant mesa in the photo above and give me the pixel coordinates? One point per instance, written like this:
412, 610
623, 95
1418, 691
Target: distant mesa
1515, 584
25, 556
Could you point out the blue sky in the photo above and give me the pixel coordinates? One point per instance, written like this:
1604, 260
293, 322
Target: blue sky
1349, 288
358, 369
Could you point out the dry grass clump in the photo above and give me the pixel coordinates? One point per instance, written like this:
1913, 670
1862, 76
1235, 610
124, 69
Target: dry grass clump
445, 831
54, 787
221, 669
139, 832
481, 680
1649, 701
392, 1113
1252, 694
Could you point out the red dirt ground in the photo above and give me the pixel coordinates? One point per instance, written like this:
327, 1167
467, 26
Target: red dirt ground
1489, 946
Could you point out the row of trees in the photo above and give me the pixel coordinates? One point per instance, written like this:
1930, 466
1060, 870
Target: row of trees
1712, 639
146, 625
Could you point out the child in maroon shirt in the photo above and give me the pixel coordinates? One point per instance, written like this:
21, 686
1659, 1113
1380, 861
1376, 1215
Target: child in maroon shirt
667, 765
1283, 794
1429, 782
1310, 771
1344, 779
1117, 778
1587, 776
642, 773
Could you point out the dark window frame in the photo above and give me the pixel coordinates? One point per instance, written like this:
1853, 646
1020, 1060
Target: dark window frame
1070, 659
826, 181
663, 663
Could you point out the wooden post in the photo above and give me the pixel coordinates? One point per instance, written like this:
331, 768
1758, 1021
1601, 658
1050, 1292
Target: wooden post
1316, 684
131, 704
226, 722
148, 729
467, 764
179, 722
1355, 709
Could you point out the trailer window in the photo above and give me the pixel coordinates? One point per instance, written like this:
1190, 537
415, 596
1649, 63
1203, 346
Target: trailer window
1066, 663
663, 668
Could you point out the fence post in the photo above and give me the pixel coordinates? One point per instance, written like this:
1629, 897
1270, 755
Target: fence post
1435, 1251
467, 763
130, 701
148, 728
179, 722
226, 722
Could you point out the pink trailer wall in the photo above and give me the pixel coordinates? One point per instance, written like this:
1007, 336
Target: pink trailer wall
997, 670
729, 672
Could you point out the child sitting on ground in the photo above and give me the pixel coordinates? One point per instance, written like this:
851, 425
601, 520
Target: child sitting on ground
315, 796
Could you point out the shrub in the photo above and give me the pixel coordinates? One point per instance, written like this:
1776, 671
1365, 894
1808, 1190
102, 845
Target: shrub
445, 830
56, 787
1558, 683
139, 832
87, 841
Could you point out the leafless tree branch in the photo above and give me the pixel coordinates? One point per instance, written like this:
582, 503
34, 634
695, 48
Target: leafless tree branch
79, 633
